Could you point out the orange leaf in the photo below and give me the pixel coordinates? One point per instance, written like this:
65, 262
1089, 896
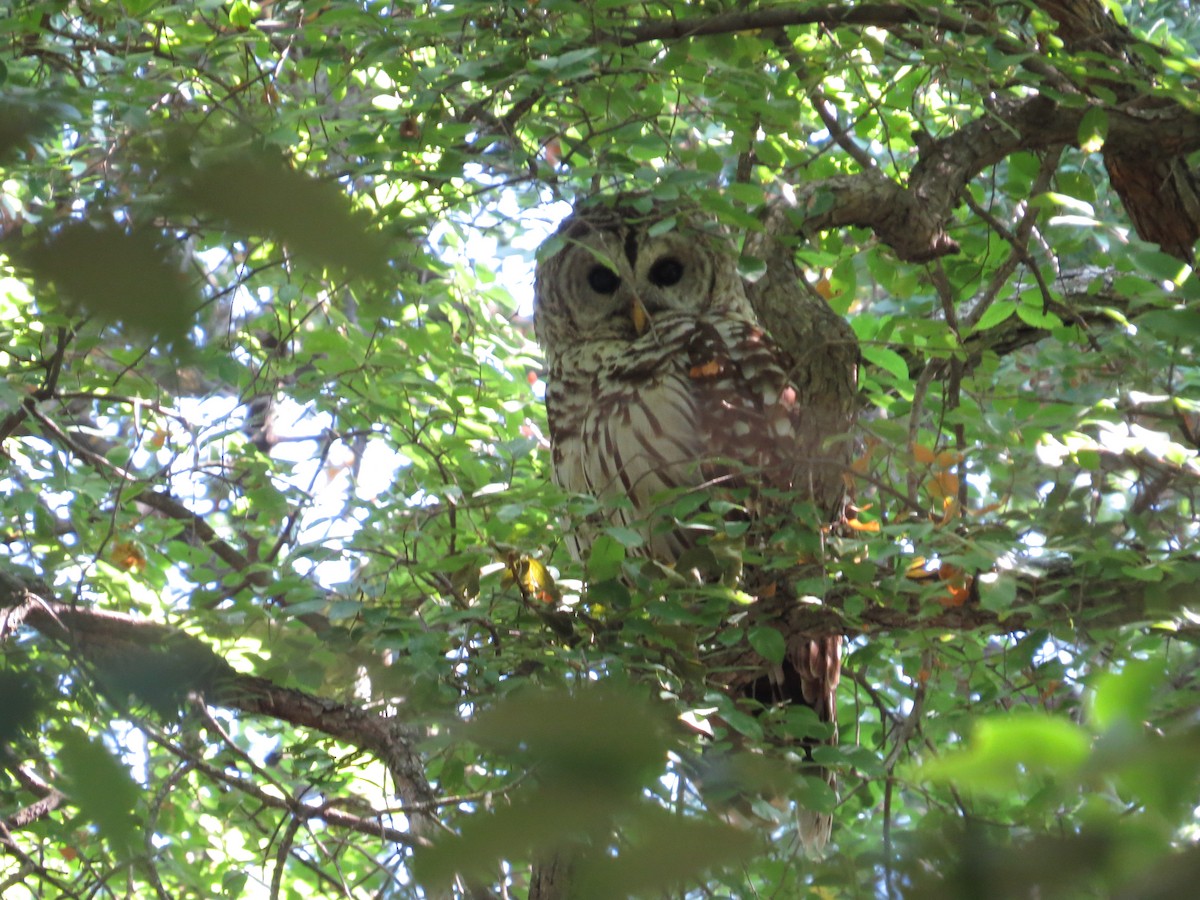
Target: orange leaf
859, 525
955, 597
948, 458
950, 572
128, 555
958, 586
984, 510
705, 370
949, 509
943, 485
921, 453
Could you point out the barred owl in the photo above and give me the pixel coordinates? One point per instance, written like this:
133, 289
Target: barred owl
661, 379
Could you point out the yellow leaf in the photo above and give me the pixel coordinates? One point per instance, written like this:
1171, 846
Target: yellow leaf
917, 570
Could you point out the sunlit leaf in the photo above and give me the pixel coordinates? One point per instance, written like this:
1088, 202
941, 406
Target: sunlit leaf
1005, 751
1125, 695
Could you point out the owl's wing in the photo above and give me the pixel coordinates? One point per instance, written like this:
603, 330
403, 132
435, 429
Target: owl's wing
749, 406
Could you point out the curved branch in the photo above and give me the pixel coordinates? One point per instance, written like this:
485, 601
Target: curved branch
100, 634
912, 220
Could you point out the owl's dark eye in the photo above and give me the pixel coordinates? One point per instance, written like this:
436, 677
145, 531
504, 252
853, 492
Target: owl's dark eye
603, 279
666, 272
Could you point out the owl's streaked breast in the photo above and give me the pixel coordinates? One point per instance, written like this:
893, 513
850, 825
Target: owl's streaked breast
667, 412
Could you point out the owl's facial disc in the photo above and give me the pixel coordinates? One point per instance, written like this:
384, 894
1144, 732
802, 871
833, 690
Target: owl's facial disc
674, 274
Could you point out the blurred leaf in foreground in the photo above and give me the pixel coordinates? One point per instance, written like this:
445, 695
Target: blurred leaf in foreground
102, 788
589, 753
118, 275
254, 194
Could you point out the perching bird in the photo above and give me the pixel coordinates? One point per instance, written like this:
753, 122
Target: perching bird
661, 378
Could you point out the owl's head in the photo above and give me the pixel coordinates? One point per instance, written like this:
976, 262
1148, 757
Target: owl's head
615, 267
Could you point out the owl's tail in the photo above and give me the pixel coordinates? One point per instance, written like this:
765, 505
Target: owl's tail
810, 672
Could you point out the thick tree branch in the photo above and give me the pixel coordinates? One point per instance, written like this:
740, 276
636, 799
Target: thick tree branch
912, 220
1160, 192
101, 635
1146, 139
881, 15
1057, 595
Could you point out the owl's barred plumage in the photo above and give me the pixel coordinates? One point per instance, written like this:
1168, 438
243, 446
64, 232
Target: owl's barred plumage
660, 380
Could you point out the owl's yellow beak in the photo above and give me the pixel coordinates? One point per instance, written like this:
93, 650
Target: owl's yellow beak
637, 312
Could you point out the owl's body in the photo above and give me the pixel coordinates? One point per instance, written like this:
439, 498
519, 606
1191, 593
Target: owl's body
668, 411
660, 381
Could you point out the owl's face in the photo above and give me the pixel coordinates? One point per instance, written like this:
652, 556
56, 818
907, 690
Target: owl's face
614, 276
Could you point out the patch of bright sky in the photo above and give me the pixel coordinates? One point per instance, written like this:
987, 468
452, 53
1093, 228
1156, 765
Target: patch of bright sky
507, 252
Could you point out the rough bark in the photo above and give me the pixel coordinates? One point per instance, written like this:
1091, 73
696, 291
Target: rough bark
1157, 188
552, 877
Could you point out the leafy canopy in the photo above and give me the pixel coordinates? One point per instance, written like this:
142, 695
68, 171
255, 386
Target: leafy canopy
287, 608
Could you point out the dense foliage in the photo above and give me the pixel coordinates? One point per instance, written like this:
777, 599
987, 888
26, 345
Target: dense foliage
285, 602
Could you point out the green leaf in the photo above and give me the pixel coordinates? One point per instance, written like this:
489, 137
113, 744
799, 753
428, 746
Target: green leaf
102, 789
1093, 129
1005, 751
662, 851
1125, 694
1032, 313
888, 360
20, 122
605, 558
162, 675
768, 642
589, 752
998, 312
1171, 323
21, 702
257, 195
596, 735
1159, 265
570, 59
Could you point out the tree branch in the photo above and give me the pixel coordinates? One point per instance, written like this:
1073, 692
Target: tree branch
882, 15
912, 220
99, 634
